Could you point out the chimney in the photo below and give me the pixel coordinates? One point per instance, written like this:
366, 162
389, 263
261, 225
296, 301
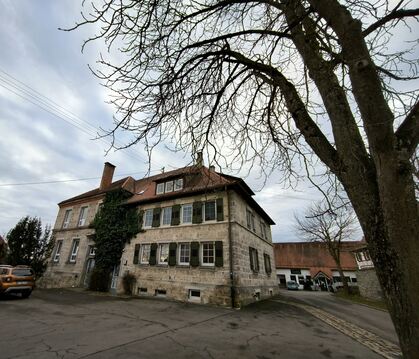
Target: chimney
212, 168
199, 160
107, 175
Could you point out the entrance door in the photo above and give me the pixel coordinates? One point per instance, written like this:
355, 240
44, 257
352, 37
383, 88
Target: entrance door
114, 281
89, 268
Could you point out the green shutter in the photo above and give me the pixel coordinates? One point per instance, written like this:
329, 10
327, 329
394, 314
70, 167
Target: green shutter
194, 261
252, 265
136, 253
197, 212
172, 254
220, 210
153, 254
257, 260
156, 217
140, 220
219, 254
268, 268
175, 215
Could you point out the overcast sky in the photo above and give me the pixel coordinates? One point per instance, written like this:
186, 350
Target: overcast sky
38, 146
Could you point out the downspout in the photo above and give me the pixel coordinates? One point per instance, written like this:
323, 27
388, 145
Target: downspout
230, 250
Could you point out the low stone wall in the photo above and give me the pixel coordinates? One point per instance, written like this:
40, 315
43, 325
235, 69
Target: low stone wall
59, 280
368, 284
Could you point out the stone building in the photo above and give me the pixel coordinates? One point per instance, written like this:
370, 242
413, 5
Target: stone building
204, 238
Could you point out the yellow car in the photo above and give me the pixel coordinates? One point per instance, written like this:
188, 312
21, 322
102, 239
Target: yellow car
19, 279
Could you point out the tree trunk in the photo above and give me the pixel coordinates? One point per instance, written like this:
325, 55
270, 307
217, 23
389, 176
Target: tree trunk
344, 279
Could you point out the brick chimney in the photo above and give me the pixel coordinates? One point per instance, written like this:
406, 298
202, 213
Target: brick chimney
107, 175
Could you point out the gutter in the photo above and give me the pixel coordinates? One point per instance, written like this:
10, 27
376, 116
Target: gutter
230, 250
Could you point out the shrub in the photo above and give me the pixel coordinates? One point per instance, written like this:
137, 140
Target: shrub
99, 280
128, 281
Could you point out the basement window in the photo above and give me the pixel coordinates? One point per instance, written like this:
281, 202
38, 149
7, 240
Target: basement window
142, 290
160, 292
194, 294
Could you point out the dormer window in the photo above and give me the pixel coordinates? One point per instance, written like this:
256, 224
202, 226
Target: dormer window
169, 186
160, 188
178, 184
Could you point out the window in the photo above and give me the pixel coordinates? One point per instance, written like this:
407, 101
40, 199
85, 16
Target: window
160, 292
178, 184
336, 279
67, 218
353, 280
194, 294
167, 216
148, 218
295, 271
250, 218
367, 256
163, 253
301, 279
58, 251
74, 250
292, 277
169, 186
92, 251
83, 216
145, 253
160, 188
208, 254
187, 213
210, 211
254, 259
184, 253
267, 260
263, 230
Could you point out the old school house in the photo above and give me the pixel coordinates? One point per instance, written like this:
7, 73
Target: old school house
205, 238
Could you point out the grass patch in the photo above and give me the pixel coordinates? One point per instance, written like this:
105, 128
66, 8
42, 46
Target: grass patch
379, 304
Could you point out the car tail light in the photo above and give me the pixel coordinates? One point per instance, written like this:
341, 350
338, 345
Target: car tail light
8, 279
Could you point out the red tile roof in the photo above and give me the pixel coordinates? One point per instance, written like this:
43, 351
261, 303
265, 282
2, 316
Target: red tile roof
197, 179
313, 256
97, 191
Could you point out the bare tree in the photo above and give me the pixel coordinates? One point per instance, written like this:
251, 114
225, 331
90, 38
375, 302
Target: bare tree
321, 224
282, 84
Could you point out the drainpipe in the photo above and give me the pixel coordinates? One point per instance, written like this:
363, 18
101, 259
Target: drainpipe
230, 250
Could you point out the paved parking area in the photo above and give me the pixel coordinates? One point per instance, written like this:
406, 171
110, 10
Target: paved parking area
71, 324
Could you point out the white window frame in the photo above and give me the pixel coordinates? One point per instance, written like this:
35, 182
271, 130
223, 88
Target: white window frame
160, 188
58, 249
202, 254
74, 250
167, 185
183, 263
193, 297
164, 215
204, 211
143, 246
145, 218
191, 207
82, 216
67, 218
92, 251
159, 252
178, 184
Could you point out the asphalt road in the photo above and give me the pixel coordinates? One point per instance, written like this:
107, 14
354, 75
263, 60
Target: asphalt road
70, 324
374, 320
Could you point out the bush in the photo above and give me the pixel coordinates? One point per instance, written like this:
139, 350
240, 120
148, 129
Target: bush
99, 280
128, 281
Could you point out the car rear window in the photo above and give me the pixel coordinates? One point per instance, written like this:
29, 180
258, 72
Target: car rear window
22, 272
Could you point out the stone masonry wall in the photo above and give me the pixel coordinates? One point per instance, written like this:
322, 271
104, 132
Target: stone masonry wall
368, 284
64, 274
213, 282
250, 286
